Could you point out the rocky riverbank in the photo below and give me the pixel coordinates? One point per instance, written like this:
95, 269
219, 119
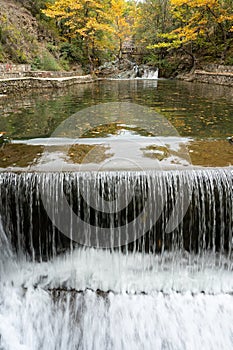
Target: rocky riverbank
126, 69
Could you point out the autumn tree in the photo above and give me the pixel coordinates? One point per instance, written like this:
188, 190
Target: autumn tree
121, 22
153, 19
201, 23
88, 19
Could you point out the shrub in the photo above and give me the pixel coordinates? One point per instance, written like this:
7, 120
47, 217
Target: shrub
46, 62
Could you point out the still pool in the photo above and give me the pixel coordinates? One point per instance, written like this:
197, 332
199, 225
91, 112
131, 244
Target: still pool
180, 124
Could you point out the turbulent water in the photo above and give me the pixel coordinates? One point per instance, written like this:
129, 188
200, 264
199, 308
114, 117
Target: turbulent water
39, 320
149, 74
169, 287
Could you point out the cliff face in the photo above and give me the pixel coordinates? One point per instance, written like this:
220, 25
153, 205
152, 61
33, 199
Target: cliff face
24, 38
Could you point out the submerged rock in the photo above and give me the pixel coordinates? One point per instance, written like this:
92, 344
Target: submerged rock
230, 140
3, 138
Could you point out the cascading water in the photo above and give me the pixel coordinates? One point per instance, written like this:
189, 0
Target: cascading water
161, 278
150, 74
141, 72
135, 71
141, 204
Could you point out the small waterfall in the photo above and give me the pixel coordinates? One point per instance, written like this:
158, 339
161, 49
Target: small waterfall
163, 281
150, 212
135, 71
128, 70
150, 74
144, 72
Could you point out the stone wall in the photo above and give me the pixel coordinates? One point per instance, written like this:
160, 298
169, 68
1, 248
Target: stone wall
10, 67
211, 74
217, 68
11, 71
54, 74
19, 85
222, 78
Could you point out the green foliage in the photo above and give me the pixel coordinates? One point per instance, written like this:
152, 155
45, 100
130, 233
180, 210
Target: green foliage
154, 18
229, 61
64, 64
11, 39
72, 51
36, 63
167, 66
16, 43
1, 54
46, 62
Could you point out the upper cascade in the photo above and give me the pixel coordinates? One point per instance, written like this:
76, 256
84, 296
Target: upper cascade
125, 69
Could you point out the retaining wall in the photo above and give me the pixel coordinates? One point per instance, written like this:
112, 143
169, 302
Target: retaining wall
211, 74
218, 68
217, 77
15, 85
10, 67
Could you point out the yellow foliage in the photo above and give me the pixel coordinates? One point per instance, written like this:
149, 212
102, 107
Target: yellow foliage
197, 18
88, 18
94, 20
120, 17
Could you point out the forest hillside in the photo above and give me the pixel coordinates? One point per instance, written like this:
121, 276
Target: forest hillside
174, 35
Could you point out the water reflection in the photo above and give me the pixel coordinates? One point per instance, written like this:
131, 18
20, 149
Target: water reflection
196, 110
212, 153
82, 154
19, 155
147, 153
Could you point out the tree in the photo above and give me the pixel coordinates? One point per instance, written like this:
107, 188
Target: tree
88, 19
200, 23
122, 28
153, 19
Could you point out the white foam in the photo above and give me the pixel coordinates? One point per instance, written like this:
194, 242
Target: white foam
35, 320
132, 273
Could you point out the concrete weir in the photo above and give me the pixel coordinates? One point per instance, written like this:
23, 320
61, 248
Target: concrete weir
45, 213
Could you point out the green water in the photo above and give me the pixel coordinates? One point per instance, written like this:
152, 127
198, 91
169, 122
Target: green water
201, 112
196, 110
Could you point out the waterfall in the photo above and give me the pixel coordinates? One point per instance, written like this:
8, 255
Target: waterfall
160, 279
150, 74
142, 72
149, 212
134, 71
